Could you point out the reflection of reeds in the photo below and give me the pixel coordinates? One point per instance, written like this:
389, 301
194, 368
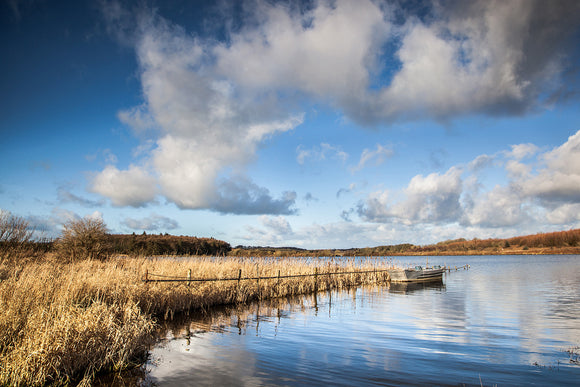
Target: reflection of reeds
242, 317
65, 322
574, 353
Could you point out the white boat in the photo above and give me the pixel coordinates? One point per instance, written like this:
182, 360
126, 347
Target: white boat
417, 274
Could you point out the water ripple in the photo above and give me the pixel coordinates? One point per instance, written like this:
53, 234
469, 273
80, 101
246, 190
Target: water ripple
484, 326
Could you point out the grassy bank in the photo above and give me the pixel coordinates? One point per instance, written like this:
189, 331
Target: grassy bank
64, 322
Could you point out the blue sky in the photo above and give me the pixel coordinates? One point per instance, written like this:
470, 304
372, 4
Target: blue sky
324, 124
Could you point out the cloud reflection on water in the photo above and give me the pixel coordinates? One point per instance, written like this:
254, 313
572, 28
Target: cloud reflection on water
496, 320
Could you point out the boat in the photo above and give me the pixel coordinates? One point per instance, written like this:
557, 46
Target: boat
417, 274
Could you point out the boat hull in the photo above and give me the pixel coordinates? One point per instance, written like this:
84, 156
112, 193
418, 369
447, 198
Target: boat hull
416, 275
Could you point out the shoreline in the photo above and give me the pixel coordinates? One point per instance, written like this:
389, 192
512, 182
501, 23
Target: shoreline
99, 316
336, 253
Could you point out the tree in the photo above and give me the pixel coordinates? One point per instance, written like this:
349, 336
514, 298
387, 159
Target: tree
15, 236
83, 239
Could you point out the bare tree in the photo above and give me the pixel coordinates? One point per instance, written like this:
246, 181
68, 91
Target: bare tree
15, 236
83, 239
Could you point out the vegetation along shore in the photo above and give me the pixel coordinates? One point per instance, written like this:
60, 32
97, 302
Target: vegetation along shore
79, 306
76, 310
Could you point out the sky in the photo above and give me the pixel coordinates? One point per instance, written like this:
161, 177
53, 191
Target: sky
314, 124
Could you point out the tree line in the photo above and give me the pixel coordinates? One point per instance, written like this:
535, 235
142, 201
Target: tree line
89, 239
166, 245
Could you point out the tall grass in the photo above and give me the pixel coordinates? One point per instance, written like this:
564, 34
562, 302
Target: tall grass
65, 322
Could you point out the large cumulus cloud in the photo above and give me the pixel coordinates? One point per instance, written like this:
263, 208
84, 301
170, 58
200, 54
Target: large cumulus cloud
212, 101
207, 131
459, 57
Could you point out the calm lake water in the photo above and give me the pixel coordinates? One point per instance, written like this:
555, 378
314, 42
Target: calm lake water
508, 320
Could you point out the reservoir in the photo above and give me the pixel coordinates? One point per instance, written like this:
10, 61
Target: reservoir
508, 320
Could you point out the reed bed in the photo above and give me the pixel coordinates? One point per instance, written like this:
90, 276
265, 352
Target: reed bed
62, 323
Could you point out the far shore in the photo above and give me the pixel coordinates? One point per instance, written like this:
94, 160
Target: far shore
285, 252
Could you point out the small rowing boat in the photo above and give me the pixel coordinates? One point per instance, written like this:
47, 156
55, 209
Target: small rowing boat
417, 274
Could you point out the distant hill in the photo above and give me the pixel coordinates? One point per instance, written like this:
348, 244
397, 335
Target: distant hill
561, 242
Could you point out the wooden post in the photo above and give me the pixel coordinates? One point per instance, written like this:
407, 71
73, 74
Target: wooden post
188, 277
258, 281
315, 279
238, 287
278, 284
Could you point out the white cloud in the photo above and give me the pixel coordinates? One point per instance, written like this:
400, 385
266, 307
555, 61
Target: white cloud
143, 149
565, 158
492, 57
206, 126
343, 191
542, 188
433, 198
239, 195
555, 186
65, 196
302, 154
325, 52
61, 216
500, 207
138, 118
559, 180
568, 213
521, 151
377, 207
110, 157
379, 156
517, 169
318, 153
278, 224
133, 187
106, 154
480, 162
428, 199
96, 215
276, 230
153, 222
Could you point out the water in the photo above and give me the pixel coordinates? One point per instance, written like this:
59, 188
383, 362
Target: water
509, 320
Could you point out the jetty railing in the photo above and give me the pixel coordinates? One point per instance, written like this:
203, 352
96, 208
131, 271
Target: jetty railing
151, 277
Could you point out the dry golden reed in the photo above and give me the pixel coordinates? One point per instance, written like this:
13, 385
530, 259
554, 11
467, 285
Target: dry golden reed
63, 323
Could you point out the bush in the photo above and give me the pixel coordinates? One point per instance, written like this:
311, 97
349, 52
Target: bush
83, 239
